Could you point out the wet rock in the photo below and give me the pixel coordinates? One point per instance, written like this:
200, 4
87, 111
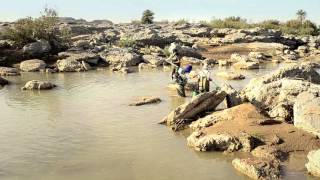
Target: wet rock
189, 111
146, 100
259, 56
143, 66
257, 168
69, 65
230, 75
7, 71
86, 66
213, 142
37, 48
237, 58
32, 65
153, 60
201, 141
38, 85
3, 81
313, 166
307, 112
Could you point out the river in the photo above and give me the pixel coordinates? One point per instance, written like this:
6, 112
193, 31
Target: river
84, 129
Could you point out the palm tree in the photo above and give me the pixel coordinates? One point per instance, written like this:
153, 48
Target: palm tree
301, 15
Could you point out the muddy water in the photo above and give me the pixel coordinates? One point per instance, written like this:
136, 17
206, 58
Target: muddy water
84, 129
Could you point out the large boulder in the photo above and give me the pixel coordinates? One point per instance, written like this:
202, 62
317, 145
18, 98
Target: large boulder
230, 75
275, 93
37, 48
3, 81
233, 97
313, 166
7, 71
122, 56
151, 37
307, 112
80, 56
258, 169
32, 65
188, 112
38, 85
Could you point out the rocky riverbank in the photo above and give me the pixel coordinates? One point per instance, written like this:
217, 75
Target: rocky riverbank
271, 118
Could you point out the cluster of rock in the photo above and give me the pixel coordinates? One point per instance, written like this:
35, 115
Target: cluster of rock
267, 103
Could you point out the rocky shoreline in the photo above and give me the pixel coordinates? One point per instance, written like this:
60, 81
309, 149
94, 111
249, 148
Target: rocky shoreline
272, 117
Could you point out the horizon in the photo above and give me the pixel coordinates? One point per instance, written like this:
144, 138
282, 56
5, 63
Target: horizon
123, 11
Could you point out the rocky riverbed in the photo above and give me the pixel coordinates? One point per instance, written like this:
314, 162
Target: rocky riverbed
271, 118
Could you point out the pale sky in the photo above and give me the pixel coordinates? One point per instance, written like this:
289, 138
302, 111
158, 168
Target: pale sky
127, 10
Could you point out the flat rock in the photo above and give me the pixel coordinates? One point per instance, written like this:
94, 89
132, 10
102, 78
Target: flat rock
268, 152
32, 65
146, 100
38, 85
7, 71
230, 75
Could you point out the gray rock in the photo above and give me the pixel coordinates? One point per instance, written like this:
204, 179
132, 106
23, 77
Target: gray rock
307, 112
230, 75
122, 56
7, 71
153, 60
69, 65
32, 65
37, 48
188, 112
38, 85
185, 51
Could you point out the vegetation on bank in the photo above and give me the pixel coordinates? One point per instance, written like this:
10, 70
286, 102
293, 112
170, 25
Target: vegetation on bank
298, 26
28, 30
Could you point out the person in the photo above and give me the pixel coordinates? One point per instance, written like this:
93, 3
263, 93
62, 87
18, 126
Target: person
203, 80
181, 79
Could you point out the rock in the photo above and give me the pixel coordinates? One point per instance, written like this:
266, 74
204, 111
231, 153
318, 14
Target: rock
122, 56
86, 66
313, 166
145, 66
238, 58
257, 168
189, 111
233, 97
221, 142
213, 142
191, 60
80, 56
38, 85
153, 60
3, 81
185, 51
84, 44
190, 86
275, 93
146, 100
246, 65
307, 112
6, 71
37, 48
268, 152
259, 56
32, 65
230, 75
69, 65
198, 32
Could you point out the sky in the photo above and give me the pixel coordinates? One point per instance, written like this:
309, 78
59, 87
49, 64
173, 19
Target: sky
193, 10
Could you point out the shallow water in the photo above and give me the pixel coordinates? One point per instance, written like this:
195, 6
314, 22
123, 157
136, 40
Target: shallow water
84, 129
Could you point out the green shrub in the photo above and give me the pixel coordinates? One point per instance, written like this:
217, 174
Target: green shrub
182, 21
127, 42
147, 17
269, 24
29, 29
230, 22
